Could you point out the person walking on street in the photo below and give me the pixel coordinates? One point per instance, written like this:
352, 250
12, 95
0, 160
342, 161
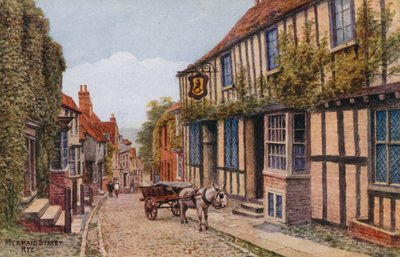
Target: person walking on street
116, 187
110, 187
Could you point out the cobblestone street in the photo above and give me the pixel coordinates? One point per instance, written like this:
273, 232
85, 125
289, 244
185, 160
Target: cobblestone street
127, 232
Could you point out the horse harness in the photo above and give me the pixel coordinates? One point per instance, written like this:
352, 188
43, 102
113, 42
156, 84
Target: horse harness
204, 198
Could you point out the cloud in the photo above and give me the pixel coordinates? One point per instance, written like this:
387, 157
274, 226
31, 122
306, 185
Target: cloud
123, 84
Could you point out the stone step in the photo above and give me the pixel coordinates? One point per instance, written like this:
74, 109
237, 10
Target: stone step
36, 209
243, 212
51, 215
61, 219
259, 201
256, 208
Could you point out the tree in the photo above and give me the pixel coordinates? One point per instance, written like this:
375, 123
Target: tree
108, 160
155, 108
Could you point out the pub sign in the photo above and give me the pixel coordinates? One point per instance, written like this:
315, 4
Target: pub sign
198, 86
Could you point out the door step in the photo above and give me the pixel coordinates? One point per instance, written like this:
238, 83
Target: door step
246, 213
256, 208
249, 209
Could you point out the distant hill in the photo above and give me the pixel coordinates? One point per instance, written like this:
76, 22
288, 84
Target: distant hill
130, 133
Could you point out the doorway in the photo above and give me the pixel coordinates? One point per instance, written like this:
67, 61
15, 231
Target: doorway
259, 156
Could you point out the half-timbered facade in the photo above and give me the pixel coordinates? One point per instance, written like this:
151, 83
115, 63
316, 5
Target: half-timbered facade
338, 164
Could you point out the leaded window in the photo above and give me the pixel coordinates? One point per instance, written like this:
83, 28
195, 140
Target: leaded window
343, 21
231, 143
60, 160
194, 143
226, 64
387, 146
276, 142
271, 206
272, 48
279, 206
299, 142
72, 164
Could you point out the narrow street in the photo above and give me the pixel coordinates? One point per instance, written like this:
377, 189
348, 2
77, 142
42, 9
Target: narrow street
127, 232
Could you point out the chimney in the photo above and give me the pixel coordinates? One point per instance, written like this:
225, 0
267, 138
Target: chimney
112, 119
85, 102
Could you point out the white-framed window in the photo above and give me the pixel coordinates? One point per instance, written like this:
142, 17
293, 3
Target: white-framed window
275, 205
276, 142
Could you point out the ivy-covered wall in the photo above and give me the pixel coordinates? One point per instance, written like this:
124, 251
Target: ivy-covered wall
31, 66
167, 120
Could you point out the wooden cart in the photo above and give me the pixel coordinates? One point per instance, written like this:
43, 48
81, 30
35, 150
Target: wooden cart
162, 195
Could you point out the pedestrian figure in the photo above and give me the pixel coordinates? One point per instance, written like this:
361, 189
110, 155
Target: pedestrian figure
116, 187
110, 187
132, 185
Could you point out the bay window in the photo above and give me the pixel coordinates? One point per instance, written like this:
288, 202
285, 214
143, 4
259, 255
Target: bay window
286, 142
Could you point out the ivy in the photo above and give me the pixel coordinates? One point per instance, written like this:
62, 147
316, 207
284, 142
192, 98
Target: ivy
108, 160
167, 120
31, 66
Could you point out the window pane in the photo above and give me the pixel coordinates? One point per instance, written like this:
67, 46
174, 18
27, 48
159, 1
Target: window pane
272, 48
270, 204
394, 125
228, 144
278, 206
234, 140
299, 136
347, 18
338, 6
394, 163
346, 4
348, 33
339, 36
381, 125
226, 70
381, 165
299, 121
339, 21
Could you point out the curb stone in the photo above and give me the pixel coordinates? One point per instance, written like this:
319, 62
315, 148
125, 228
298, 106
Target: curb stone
98, 204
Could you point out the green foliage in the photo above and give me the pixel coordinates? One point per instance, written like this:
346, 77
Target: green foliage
298, 83
167, 120
246, 105
155, 109
31, 66
108, 160
301, 80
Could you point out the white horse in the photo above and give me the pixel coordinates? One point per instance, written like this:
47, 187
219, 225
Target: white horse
201, 199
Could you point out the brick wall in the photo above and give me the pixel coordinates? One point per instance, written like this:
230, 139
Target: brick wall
58, 182
298, 201
297, 195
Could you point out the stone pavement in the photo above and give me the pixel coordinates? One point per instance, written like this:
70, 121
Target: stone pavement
245, 229
127, 232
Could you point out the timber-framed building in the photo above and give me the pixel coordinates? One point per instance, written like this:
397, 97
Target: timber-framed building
338, 164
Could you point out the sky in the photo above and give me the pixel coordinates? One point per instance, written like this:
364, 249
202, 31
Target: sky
127, 52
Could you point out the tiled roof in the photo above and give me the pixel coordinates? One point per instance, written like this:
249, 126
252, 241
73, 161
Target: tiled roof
69, 103
86, 126
259, 16
174, 107
126, 142
110, 128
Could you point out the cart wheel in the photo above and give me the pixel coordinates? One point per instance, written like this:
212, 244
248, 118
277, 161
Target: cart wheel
150, 208
175, 208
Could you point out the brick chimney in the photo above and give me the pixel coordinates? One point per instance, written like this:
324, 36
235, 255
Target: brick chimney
112, 119
85, 102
